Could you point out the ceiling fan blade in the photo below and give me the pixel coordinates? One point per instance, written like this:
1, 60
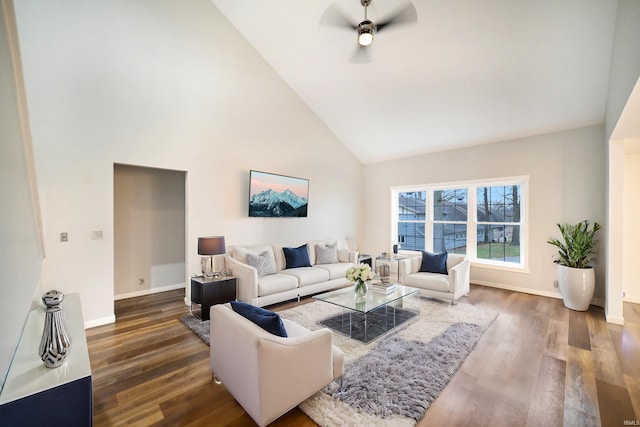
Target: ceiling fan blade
405, 15
360, 55
335, 17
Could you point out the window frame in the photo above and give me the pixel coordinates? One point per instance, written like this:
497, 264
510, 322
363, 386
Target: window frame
472, 220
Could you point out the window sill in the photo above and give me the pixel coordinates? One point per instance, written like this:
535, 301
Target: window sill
500, 266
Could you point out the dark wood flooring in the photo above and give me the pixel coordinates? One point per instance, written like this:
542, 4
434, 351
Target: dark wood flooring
539, 364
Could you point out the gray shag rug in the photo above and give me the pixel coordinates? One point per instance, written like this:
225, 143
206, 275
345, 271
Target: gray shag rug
200, 328
402, 377
370, 327
393, 380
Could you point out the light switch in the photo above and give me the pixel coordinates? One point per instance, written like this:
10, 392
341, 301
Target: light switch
64, 237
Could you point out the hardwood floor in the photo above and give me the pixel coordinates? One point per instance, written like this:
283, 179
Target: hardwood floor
539, 364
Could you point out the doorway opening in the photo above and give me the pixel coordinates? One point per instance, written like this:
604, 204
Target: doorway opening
149, 230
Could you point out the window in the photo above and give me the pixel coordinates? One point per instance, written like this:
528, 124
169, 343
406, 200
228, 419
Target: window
450, 221
412, 210
498, 232
483, 220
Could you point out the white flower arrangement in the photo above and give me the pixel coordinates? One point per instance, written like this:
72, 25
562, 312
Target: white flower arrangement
360, 273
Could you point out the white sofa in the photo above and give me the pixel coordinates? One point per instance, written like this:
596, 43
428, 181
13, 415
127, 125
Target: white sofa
448, 287
269, 375
286, 284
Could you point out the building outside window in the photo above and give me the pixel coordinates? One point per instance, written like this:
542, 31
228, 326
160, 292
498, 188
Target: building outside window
450, 221
412, 211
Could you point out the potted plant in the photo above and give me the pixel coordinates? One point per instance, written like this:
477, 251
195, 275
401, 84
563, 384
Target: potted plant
576, 278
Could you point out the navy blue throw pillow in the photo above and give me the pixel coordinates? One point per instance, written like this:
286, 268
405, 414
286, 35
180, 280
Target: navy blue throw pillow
434, 263
267, 320
297, 257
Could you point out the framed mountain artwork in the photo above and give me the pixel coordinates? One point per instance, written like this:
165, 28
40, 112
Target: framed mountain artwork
273, 195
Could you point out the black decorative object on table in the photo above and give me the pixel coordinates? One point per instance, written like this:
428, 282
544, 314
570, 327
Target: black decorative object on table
55, 344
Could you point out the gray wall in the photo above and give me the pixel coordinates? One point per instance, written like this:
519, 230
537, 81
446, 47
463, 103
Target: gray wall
567, 184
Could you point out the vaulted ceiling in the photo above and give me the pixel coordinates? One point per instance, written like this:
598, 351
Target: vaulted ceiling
467, 72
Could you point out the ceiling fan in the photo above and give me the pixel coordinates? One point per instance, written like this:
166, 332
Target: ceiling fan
367, 29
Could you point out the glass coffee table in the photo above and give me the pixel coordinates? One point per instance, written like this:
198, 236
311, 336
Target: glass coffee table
370, 317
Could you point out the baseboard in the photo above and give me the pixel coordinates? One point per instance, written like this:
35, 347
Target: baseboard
634, 300
149, 291
596, 301
614, 319
517, 289
99, 322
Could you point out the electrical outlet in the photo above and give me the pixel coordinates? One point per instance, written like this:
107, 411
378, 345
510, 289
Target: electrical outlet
555, 283
64, 236
141, 281
97, 235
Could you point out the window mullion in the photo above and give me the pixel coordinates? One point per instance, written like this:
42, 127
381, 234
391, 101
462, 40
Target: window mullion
472, 225
428, 226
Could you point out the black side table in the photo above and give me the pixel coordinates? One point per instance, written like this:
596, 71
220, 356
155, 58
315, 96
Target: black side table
207, 292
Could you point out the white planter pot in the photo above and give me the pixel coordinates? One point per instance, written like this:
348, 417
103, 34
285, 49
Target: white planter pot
576, 286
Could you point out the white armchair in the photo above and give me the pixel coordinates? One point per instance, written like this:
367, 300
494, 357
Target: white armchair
269, 375
448, 287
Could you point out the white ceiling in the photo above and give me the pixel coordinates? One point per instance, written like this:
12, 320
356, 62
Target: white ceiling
469, 72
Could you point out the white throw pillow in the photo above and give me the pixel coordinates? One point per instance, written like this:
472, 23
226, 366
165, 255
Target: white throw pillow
240, 252
326, 254
265, 263
343, 255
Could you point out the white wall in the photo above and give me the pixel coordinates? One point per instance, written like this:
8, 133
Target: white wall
567, 184
631, 250
149, 230
170, 85
625, 61
621, 122
20, 246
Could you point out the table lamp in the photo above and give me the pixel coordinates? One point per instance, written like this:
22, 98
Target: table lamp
209, 246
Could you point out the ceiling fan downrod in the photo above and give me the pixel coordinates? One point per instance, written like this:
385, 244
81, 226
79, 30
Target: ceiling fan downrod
366, 29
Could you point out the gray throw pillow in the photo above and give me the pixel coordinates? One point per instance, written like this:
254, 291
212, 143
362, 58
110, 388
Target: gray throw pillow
326, 254
264, 263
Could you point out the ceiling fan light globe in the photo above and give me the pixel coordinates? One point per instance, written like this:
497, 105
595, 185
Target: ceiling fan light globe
365, 39
366, 31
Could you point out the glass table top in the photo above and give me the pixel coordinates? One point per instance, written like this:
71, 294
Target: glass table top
346, 297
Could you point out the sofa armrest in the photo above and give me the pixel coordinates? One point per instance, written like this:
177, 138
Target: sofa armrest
247, 279
253, 363
459, 277
408, 266
296, 367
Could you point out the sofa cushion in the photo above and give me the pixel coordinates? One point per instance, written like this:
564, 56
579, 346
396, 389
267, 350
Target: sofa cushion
434, 263
337, 270
307, 275
265, 263
430, 281
297, 257
267, 320
326, 254
275, 283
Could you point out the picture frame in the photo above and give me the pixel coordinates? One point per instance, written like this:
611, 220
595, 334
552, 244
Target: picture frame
277, 196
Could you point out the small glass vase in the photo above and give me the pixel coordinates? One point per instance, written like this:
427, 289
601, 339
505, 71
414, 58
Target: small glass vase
361, 288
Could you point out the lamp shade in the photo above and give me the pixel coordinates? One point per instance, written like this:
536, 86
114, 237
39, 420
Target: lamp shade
211, 245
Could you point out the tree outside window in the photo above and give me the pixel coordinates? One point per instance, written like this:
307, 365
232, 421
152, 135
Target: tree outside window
498, 229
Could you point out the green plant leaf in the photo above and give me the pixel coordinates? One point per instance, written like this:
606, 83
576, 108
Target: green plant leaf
579, 242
